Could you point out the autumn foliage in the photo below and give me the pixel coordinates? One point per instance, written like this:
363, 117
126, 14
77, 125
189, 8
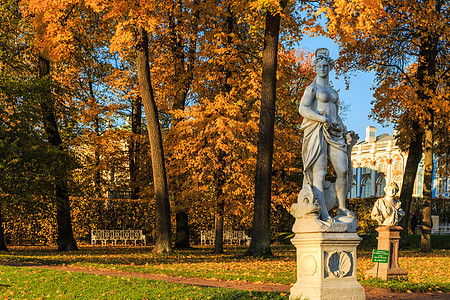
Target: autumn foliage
205, 64
406, 43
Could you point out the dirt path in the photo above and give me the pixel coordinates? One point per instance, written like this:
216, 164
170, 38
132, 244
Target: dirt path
371, 293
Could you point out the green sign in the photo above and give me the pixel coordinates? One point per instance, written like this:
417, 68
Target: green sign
380, 256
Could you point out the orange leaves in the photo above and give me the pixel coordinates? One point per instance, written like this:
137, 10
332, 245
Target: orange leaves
272, 5
349, 16
218, 135
396, 40
123, 38
214, 137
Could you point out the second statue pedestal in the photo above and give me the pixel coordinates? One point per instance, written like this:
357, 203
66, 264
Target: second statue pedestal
326, 266
388, 239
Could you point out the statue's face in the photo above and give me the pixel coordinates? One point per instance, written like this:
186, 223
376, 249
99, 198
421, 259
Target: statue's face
390, 191
322, 68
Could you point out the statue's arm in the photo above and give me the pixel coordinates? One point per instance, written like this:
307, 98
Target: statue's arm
305, 106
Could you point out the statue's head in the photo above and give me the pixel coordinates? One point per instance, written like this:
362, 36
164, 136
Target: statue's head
322, 55
391, 189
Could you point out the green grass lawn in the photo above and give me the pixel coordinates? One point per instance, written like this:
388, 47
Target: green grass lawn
25, 283
427, 271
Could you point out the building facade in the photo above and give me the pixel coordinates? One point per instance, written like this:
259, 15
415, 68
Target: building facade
377, 161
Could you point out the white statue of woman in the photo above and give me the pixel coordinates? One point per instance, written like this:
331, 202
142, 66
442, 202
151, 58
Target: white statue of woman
325, 135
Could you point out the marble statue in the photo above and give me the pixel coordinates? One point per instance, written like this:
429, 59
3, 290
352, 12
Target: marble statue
387, 210
325, 246
325, 137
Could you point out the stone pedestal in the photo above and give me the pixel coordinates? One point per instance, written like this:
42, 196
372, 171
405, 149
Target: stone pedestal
326, 266
388, 239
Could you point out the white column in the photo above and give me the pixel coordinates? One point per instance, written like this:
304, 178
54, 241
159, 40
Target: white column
389, 171
358, 182
372, 175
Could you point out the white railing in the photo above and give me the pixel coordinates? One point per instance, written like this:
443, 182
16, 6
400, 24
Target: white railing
117, 235
229, 237
444, 229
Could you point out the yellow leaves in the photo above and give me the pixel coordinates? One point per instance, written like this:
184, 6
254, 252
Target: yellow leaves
96, 5
348, 18
123, 37
272, 5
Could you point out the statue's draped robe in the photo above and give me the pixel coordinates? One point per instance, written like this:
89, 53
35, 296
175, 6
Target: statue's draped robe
315, 140
388, 212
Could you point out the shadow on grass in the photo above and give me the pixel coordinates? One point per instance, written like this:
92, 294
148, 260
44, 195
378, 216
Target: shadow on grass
234, 294
120, 255
129, 256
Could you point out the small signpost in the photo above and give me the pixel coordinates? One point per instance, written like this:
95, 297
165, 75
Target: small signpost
380, 256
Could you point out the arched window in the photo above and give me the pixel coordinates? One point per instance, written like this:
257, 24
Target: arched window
416, 188
440, 188
352, 192
398, 166
366, 170
381, 168
366, 187
380, 185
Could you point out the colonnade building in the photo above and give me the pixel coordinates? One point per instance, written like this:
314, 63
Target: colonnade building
377, 161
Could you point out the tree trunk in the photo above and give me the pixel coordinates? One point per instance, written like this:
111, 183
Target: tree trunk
260, 243
182, 230
2, 235
97, 175
135, 146
425, 244
409, 177
183, 83
426, 72
154, 133
65, 239
220, 176
219, 216
220, 204
184, 76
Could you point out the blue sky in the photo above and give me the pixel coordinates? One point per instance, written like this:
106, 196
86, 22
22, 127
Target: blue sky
358, 96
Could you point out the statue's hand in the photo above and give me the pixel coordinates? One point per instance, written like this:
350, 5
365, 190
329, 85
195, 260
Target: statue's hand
327, 124
351, 138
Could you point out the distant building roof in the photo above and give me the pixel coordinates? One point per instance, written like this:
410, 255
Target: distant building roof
381, 138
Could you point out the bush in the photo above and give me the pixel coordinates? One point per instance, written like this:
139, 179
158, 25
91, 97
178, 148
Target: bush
29, 221
362, 207
36, 224
120, 214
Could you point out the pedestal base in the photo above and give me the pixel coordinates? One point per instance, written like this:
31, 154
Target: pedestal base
326, 266
388, 239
